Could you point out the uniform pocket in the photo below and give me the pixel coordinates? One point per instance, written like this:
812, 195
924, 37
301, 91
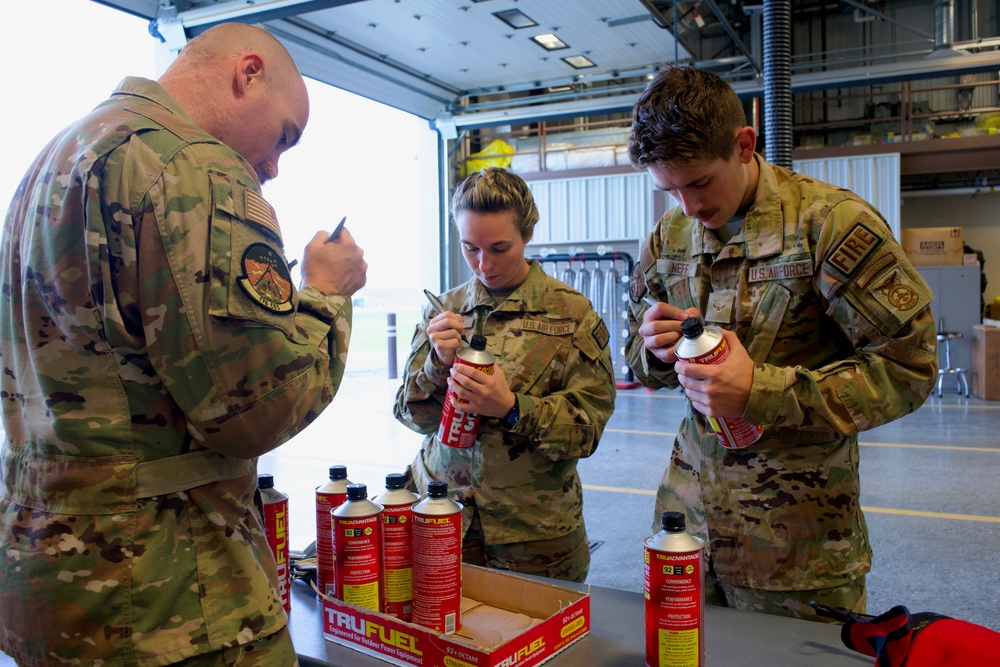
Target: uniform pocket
767, 319
250, 280
538, 356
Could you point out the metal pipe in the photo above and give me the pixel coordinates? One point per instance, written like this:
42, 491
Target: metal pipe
944, 24
947, 192
732, 34
888, 19
778, 82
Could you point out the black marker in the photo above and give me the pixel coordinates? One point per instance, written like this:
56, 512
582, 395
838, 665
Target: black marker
335, 234
439, 307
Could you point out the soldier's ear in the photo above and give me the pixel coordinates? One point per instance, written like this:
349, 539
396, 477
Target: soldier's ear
249, 72
746, 143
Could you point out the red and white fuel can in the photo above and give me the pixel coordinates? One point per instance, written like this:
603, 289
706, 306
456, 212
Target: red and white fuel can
397, 546
460, 427
330, 496
437, 560
275, 514
706, 345
674, 588
357, 549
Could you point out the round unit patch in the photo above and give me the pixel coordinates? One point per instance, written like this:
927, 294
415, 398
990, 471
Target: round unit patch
903, 297
266, 279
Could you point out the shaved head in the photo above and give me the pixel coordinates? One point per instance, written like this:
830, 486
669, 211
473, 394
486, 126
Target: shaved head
240, 84
227, 41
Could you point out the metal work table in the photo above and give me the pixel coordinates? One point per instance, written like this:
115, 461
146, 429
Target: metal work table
616, 637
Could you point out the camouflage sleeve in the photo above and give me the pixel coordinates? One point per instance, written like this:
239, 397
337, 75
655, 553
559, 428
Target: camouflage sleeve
420, 398
568, 423
648, 370
881, 304
248, 360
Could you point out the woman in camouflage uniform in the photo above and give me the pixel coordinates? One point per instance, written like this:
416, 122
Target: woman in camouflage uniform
544, 407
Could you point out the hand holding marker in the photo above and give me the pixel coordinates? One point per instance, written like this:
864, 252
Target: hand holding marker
436, 303
334, 235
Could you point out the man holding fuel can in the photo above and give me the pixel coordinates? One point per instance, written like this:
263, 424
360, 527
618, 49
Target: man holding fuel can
829, 333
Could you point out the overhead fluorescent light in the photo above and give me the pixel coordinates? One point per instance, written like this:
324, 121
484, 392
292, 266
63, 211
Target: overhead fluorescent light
549, 42
579, 62
515, 18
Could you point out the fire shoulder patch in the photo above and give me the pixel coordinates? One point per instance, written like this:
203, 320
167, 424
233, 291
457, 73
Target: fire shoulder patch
851, 253
601, 334
266, 278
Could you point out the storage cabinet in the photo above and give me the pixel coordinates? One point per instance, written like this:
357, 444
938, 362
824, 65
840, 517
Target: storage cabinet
956, 298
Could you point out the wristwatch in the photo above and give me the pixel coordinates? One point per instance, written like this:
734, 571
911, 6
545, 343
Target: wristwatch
512, 417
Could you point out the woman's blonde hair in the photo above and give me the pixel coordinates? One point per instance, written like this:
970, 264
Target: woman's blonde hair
496, 190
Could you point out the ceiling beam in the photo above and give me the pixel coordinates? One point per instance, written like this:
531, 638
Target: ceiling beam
929, 67
197, 21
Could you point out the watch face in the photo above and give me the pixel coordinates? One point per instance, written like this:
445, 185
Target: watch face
512, 417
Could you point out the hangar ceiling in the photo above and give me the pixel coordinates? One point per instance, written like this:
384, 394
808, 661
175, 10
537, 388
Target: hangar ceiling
473, 63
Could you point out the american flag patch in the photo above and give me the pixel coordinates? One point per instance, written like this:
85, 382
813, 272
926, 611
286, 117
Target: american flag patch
259, 211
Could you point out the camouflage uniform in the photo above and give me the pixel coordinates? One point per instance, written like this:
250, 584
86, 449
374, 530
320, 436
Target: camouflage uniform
837, 323
152, 347
552, 348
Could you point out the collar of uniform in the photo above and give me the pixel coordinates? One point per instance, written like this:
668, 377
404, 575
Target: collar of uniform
155, 103
763, 227
703, 240
151, 91
530, 297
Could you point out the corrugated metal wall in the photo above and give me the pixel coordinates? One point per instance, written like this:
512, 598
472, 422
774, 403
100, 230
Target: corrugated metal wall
623, 208
874, 178
597, 208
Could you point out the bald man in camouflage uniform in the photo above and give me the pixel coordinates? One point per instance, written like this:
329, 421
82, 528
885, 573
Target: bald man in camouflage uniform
544, 408
830, 334
153, 345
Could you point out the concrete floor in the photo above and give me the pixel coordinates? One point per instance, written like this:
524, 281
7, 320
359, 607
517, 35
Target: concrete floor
930, 490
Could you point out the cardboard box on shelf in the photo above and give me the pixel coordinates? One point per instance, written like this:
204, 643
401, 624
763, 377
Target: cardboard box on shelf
933, 246
506, 620
986, 362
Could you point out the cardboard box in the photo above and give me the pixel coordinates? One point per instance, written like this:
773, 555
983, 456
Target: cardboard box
933, 246
986, 362
507, 620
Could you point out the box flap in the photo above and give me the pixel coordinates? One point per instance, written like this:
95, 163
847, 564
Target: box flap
516, 593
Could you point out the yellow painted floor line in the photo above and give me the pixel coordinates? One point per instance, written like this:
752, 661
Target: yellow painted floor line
677, 396
932, 515
618, 489
872, 510
949, 448
993, 405
632, 432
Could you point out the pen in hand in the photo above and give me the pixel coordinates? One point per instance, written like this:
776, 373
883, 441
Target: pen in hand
335, 234
439, 307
